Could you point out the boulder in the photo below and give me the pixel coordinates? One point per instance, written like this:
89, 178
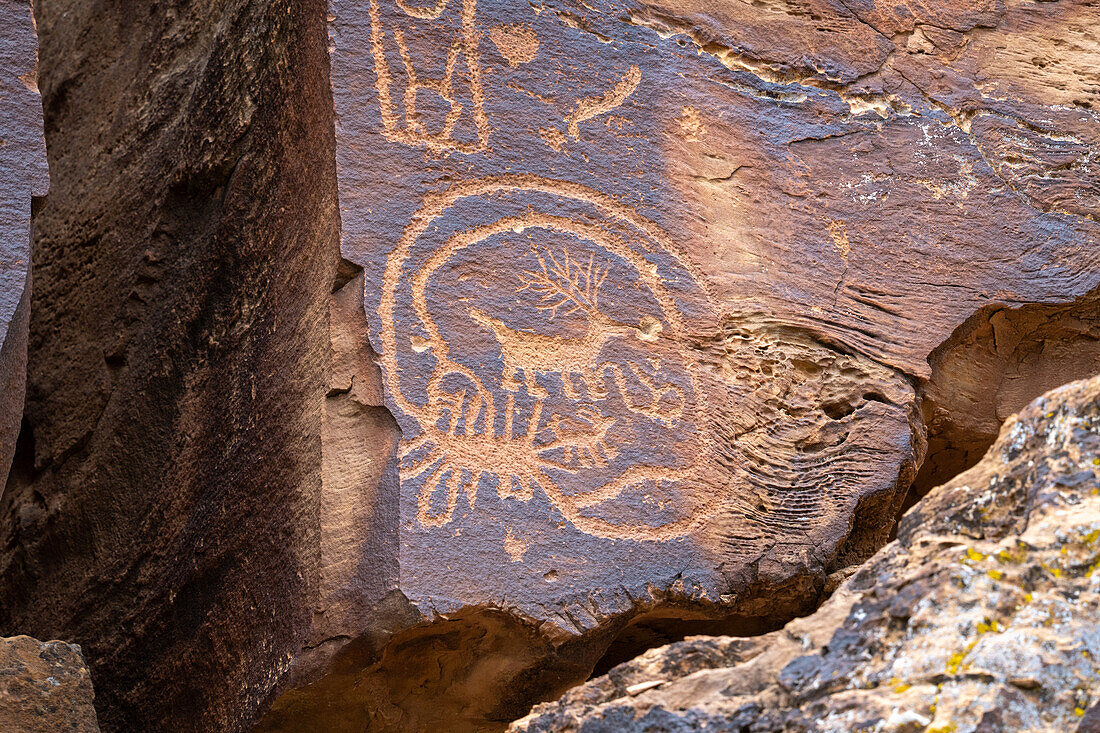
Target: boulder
44, 688
22, 176
981, 616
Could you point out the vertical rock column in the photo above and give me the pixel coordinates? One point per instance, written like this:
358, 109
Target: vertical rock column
22, 175
183, 261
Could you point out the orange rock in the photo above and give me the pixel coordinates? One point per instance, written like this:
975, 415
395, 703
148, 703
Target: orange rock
44, 687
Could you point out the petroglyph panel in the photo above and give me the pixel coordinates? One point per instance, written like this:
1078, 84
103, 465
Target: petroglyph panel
556, 375
646, 298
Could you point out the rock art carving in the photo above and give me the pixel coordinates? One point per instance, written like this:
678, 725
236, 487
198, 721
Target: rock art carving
560, 367
559, 408
464, 46
517, 43
980, 616
590, 107
548, 329
651, 289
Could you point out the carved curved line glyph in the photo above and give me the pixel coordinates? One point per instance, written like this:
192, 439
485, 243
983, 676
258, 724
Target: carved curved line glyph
455, 477
436, 203
455, 482
590, 107
652, 410
424, 12
530, 220
468, 458
571, 508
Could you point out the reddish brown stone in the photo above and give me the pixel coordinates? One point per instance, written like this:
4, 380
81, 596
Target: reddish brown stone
638, 310
654, 289
164, 516
980, 617
44, 688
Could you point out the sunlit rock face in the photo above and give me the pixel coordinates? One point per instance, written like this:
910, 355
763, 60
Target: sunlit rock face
394, 366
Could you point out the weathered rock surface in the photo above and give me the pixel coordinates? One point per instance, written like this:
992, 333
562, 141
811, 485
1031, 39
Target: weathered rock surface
165, 513
992, 365
655, 290
22, 175
981, 616
44, 688
637, 309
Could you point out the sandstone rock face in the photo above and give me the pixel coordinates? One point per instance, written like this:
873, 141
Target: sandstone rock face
654, 288
992, 365
22, 175
981, 616
400, 385
44, 688
166, 510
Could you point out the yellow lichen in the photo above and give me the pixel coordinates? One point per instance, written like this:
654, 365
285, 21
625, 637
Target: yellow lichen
974, 555
1015, 556
996, 574
955, 660
988, 625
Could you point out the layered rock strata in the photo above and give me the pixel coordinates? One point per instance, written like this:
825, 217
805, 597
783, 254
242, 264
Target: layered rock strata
981, 616
395, 395
662, 297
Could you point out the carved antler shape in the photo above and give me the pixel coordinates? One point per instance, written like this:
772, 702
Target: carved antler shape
565, 282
